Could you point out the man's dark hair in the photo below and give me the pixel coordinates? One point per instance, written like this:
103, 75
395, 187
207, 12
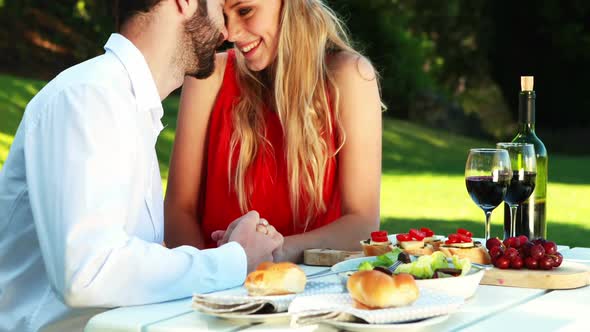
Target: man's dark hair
126, 9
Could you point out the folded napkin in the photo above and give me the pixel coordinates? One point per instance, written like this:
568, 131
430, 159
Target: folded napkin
237, 300
338, 307
241, 304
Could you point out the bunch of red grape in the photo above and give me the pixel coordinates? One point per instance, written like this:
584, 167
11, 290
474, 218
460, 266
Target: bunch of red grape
518, 252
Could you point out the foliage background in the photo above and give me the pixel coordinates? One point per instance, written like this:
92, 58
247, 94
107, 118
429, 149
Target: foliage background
452, 64
450, 75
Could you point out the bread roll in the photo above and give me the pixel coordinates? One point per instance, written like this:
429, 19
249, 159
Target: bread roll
377, 290
275, 279
476, 254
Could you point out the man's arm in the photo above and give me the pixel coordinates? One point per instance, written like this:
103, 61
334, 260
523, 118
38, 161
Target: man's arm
80, 188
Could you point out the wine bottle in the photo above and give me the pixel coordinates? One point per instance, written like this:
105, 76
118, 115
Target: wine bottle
531, 215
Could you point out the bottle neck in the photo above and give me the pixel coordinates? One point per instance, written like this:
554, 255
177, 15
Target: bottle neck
526, 111
526, 128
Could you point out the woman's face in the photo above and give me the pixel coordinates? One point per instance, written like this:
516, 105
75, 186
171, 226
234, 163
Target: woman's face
253, 26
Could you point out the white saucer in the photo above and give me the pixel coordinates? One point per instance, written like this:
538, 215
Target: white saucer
253, 318
360, 327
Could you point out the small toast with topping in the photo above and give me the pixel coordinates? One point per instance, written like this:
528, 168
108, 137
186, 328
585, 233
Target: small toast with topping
462, 245
378, 244
417, 242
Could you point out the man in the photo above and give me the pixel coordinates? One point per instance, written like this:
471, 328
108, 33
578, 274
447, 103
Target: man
81, 222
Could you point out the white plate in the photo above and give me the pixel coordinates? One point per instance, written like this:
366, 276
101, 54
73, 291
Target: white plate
254, 318
351, 264
464, 286
360, 327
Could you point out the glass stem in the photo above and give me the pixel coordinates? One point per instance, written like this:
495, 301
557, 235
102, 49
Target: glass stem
487, 229
513, 209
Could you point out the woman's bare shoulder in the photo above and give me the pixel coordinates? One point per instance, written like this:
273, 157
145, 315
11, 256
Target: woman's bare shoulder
220, 64
348, 65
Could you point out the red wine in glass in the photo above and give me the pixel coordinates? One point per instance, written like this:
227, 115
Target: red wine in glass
520, 188
486, 191
487, 176
524, 174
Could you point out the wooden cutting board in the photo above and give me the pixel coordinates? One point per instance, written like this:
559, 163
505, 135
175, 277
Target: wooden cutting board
328, 257
568, 275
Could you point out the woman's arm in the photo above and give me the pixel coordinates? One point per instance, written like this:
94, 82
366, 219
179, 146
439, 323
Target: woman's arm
188, 157
359, 162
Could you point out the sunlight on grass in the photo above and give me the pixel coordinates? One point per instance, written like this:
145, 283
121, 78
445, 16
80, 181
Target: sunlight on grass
167, 134
164, 148
442, 202
425, 196
5, 142
445, 198
569, 204
31, 89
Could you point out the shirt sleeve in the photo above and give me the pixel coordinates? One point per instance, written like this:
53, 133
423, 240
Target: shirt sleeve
78, 175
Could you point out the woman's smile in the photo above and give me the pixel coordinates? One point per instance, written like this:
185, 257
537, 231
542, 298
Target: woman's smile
249, 49
253, 27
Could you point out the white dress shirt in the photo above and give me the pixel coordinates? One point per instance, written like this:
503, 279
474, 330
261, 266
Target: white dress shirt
81, 222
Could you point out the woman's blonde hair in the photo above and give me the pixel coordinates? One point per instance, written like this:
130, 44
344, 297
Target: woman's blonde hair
296, 86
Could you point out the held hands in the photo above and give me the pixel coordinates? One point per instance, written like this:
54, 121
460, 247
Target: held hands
255, 235
262, 226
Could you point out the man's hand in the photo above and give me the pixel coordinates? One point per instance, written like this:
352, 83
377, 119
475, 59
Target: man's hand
222, 237
258, 245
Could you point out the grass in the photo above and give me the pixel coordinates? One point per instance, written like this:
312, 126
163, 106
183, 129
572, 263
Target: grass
15, 93
422, 183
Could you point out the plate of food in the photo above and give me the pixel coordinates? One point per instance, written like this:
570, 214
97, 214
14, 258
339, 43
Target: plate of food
453, 276
375, 300
266, 294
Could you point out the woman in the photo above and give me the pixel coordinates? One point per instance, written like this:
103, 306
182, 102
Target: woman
289, 125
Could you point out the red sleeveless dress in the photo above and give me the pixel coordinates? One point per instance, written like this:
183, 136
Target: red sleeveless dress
219, 206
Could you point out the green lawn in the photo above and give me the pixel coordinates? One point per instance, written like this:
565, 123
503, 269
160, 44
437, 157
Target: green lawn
422, 183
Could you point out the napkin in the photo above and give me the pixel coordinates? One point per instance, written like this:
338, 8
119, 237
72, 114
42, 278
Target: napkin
241, 304
338, 307
237, 301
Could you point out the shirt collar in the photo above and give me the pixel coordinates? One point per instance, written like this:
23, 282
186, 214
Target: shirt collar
142, 81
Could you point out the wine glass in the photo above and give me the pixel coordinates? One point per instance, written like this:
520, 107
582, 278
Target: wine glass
524, 173
487, 176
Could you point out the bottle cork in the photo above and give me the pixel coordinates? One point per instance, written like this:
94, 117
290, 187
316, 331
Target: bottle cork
527, 83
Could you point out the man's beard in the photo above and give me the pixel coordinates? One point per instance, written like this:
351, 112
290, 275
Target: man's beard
200, 41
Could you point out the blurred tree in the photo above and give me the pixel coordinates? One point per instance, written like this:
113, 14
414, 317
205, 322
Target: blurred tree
551, 40
453, 64
432, 56
403, 57
41, 37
